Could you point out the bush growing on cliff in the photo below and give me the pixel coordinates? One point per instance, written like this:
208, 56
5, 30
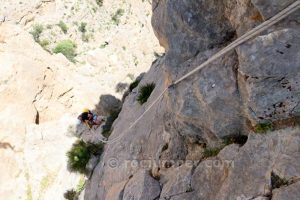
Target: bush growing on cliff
70, 195
37, 31
211, 152
63, 27
82, 27
67, 48
80, 154
99, 2
145, 92
116, 17
264, 127
133, 85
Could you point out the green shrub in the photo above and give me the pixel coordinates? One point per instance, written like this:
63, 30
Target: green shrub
99, 2
80, 186
44, 43
70, 195
37, 31
63, 27
264, 127
133, 85
145, 92
80, 154
211, 152
82, 27
67, 48
116, 17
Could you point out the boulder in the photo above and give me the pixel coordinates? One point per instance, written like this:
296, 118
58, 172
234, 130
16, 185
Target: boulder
108, 104
142, 187
290, 192
270, 63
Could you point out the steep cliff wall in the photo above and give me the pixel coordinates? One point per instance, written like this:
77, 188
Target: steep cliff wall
167, 154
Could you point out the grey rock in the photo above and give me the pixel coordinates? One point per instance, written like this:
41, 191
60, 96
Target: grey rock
178, 181
142, 187
243, 15
185, 196
229, 152
91, 165
108, 104
261, 198
208, 178
270, 63
209, 113
291, 192
187, 27
269, 8
116, 191
248, 175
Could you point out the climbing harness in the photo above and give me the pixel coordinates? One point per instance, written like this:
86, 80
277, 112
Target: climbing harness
257, 30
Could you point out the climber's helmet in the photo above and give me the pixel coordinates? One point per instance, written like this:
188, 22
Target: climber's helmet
87, 115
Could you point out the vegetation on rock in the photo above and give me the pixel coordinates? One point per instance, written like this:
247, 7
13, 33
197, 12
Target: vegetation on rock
277, 181
80, 185
211, 152
99, 2
70, 195
37, 31
82, 27
80, 154
67, 48
116, 17
228, 140
264, 127
133, 85
63, 27
145, 92
44, 43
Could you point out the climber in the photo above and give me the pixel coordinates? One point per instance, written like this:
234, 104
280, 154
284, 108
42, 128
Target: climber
90, 119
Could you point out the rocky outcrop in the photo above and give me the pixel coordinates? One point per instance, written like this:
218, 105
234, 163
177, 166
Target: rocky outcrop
246, 171
255, 84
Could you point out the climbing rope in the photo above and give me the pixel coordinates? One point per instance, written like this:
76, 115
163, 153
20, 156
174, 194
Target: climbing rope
255, 31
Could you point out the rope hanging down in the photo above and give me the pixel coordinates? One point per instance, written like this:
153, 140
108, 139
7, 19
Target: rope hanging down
257, 30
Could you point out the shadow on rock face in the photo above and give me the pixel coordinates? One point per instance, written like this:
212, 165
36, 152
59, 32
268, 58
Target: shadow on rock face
109, 108
108, 104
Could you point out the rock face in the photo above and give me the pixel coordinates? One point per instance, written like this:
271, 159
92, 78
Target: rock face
142, 186
41, 94
33, 91
255, 84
